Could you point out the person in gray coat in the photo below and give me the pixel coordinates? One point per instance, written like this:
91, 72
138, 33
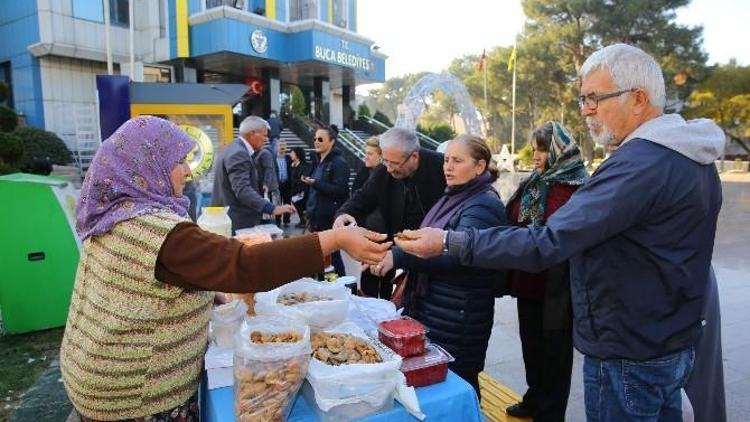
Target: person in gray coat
236, 178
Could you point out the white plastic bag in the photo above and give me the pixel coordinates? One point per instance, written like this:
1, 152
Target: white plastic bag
225, 322
367, 312
372, 383
267, 376
318, 315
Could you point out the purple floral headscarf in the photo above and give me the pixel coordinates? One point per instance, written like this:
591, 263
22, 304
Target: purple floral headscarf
130, 175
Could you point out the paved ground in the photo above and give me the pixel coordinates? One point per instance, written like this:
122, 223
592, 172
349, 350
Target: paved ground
732, 264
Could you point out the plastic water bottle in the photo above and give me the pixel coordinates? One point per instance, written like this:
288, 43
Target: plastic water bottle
216, 220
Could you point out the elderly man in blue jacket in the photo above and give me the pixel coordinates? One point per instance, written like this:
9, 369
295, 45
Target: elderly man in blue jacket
639, 236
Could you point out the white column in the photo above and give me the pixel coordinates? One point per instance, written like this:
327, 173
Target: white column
336, 108
275, 92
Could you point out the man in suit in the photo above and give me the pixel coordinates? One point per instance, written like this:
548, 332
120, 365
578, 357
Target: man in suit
283, 173
236, 178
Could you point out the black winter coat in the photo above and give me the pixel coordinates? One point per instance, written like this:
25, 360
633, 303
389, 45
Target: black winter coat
330, 190
459, 305
383, 191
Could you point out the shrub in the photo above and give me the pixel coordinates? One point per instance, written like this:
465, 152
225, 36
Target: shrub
382, 118
440, 132
8, 119
41, 149
11, 153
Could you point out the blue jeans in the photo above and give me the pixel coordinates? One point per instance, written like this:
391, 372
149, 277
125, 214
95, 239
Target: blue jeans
626, 390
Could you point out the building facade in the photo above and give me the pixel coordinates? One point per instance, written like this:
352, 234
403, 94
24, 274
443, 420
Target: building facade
52, 50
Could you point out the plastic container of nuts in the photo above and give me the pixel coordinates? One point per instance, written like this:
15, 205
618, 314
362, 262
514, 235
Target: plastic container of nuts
271, 358
406, 336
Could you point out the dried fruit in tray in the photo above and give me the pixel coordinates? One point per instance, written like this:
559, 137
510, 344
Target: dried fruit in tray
259, 337
290, 299
342, 349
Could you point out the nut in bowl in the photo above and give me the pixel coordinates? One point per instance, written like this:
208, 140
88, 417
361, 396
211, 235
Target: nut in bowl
342, 349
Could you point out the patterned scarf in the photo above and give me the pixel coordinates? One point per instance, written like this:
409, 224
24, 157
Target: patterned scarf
564, 166
130, 175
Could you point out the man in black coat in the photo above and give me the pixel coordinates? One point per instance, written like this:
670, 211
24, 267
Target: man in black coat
404, 188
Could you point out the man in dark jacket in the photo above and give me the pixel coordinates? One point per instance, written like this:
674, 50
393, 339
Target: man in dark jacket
404, 188
639, 235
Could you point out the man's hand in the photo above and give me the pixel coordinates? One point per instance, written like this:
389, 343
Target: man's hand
384, 266
283, 209
307, 180
361, 244
424, 243
344, 220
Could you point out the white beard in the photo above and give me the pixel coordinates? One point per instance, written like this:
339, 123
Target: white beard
605, 136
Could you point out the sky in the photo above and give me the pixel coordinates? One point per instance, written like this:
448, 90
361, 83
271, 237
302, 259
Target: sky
426, 35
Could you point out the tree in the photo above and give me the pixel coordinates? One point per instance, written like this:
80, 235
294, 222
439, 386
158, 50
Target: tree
571, 29
363, 111
392, 93
298, 101
724, 96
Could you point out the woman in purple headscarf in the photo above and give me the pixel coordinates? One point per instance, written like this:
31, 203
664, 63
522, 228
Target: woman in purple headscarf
137, 325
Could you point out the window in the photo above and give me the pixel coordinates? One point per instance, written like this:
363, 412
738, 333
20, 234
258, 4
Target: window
93, 10
303, 9
340, 12
119, 13
237, 4
5, 77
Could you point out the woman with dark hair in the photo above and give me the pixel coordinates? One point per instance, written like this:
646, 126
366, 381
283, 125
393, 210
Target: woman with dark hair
328, 183
544, 309
456, 302
299, 190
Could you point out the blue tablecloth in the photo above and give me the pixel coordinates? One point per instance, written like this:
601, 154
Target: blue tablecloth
449, 401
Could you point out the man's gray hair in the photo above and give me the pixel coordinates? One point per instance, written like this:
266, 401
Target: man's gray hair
630, 67
252, 123
401, 139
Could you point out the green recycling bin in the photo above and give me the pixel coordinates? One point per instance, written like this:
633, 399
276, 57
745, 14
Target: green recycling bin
38, 251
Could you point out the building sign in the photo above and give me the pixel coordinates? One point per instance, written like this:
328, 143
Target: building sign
259, 41
344, 58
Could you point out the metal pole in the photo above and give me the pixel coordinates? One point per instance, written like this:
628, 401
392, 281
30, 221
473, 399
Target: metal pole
484, 66
131, 22
513, 112
108, 47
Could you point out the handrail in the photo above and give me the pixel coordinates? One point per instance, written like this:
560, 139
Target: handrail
359, 141
348, 144
420, 135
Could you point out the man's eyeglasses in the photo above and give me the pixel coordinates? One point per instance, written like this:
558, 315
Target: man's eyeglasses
591, 101
395, 165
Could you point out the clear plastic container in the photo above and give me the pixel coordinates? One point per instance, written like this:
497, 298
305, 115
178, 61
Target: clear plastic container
431, 367
406, 336
216, 220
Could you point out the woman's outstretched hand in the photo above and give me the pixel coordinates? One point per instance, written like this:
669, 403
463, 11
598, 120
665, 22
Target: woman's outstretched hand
360, 243
424, 243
